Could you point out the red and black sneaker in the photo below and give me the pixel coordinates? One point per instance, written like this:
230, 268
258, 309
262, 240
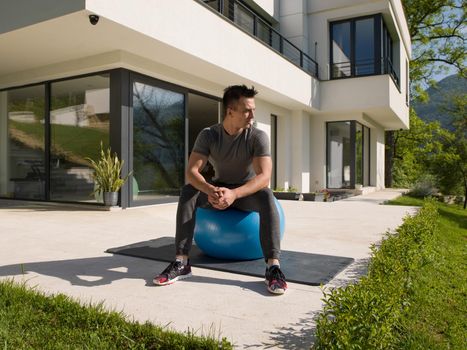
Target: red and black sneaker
172, 273
275, 280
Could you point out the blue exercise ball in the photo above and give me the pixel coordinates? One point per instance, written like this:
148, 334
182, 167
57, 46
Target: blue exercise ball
231, 234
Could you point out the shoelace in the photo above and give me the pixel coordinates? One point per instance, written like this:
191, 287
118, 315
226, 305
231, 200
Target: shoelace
276, 274
174, 265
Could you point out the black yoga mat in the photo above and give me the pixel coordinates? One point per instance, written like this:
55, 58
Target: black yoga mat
298, 267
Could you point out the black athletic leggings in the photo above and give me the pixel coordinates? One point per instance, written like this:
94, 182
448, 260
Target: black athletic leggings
261, 202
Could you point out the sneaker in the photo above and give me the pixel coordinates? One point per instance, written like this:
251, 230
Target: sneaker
275, 280
172, 273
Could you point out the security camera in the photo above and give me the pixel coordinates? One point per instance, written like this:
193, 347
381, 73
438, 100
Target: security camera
93, 19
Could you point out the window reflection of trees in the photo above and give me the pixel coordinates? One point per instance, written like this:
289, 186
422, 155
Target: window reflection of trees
159, 133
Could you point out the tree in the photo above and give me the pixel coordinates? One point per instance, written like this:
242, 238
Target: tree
450, 165
436, 28
437, 31
414, 150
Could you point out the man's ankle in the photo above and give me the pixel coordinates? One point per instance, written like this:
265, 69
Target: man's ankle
182, 258
273, 262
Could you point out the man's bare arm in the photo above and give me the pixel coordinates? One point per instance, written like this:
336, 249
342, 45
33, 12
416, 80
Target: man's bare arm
196, 163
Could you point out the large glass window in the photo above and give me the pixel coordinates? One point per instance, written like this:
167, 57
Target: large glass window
338, 154
22, 145
365, 47
341, 50
348, 154
158, 142
362, 46
79, 118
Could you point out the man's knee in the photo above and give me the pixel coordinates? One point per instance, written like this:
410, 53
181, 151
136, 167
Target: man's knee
265, 195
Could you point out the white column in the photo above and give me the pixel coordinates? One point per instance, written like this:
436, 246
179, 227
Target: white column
294, 22
300, 142
377, 158
284, 151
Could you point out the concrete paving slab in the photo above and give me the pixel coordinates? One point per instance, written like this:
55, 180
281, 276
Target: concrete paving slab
61, 249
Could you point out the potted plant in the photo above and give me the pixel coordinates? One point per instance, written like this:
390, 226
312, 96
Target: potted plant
107, 175
319, 196
291, 193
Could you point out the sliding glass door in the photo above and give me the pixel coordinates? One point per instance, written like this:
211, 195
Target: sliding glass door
22, 143
348, 154
158, 142
79, 124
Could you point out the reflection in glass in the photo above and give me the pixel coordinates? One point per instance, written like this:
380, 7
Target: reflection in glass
338, 154
341, 50
364, 47
158, 142
79, 120
243, 18
22, 146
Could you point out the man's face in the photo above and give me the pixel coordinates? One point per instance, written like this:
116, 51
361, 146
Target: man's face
243, 112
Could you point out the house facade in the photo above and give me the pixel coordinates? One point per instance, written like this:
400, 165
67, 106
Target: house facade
145, 76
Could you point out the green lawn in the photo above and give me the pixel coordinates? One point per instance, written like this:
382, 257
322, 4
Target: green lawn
72, 141
31, 320
438, 310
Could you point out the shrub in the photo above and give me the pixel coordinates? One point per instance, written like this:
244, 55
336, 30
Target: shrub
367, 314
424, 187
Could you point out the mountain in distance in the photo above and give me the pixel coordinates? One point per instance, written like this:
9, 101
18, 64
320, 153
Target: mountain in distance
438, 98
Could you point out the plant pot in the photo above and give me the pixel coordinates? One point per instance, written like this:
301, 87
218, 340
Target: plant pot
317, 197
287, 195
110, 199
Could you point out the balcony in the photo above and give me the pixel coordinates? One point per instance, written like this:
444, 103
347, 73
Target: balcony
246, 19
363, 68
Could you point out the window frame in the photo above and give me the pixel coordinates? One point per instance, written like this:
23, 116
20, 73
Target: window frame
378, 26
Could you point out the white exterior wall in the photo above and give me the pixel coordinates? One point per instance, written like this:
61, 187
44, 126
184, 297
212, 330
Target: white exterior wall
293, 143
294, 23
269, 6
377, 155
140, 36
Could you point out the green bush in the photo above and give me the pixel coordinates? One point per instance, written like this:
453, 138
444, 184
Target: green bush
367, 315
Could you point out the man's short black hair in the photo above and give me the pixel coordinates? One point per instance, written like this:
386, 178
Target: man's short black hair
232, 94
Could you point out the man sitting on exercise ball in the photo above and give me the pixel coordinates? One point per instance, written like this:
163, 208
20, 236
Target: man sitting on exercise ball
242, 163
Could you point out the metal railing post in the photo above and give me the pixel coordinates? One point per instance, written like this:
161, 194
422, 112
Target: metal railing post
220, 4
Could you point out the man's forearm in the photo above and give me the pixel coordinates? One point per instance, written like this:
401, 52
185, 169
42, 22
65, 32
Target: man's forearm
197, 181
257, 183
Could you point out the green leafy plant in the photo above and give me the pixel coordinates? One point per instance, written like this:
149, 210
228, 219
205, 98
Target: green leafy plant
368, 314
107, 172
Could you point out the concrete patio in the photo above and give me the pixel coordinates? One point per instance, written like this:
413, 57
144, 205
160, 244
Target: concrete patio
61, 249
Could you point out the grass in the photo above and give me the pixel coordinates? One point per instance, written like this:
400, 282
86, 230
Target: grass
32, 320
438, 310
79, 142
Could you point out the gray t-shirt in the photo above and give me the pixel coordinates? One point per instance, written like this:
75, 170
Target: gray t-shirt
232, 156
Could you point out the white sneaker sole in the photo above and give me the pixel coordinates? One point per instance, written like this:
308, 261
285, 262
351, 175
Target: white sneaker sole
178, 278
277, 291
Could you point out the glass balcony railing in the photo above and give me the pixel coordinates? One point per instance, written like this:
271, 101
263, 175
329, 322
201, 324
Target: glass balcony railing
246, 19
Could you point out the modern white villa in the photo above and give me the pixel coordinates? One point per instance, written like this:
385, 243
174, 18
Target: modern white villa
145, 76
